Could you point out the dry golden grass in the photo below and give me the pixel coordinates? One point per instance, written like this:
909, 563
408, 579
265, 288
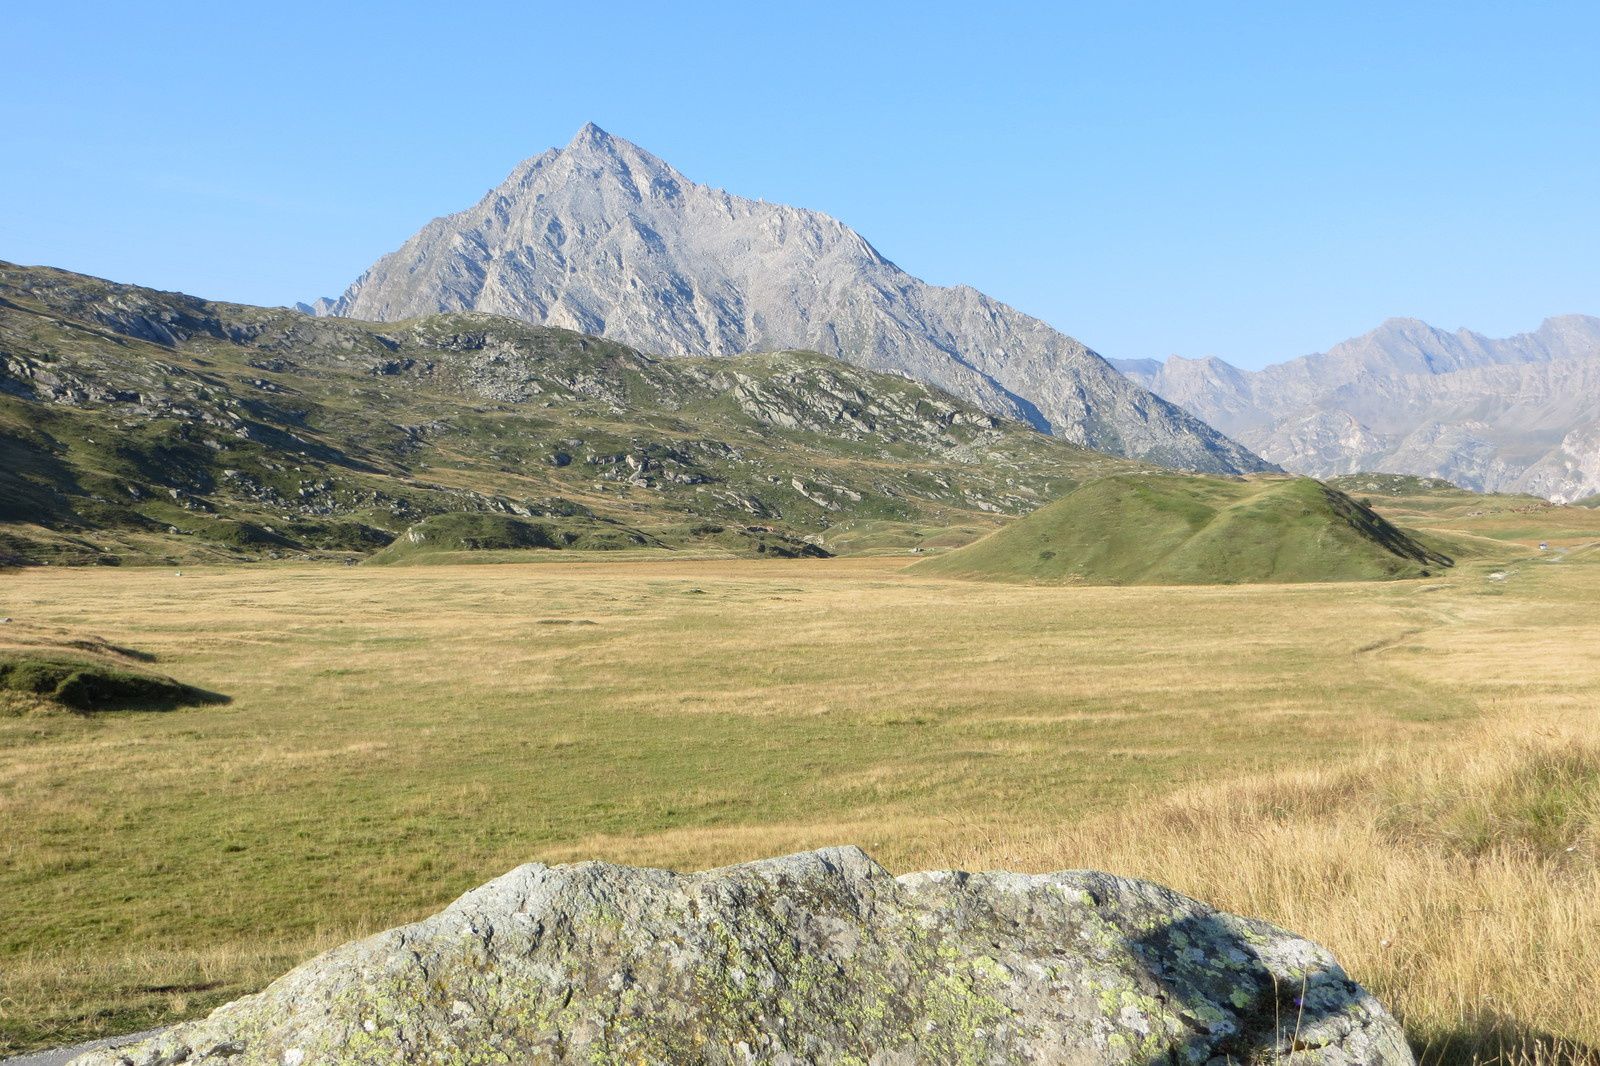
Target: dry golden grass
1483, 950
1397, 770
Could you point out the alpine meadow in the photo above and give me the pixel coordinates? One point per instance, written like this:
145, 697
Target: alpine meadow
632, 622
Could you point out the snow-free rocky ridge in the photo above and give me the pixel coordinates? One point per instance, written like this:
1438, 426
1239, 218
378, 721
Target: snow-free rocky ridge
821, 957
1516, 414
604, 238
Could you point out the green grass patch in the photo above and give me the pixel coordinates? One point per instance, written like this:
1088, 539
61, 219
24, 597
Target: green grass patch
85, 685
1175, 529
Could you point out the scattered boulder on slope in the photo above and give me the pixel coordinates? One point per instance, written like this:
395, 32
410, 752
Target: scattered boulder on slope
821, 957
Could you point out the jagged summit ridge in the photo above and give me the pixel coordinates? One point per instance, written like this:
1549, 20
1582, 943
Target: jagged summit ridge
1518, 414
605, 238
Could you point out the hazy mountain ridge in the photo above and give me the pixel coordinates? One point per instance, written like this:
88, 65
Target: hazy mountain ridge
1518, 414
604, 238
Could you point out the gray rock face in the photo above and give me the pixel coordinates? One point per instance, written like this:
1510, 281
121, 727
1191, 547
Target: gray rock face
821, 957
1520, 414
606, 239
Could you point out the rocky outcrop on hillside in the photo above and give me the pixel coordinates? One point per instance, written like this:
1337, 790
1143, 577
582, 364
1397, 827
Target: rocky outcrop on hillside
246, 431
604, 238
1521, 414
821, 957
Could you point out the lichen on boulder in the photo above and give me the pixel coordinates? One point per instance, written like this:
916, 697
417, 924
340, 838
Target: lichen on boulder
822, 957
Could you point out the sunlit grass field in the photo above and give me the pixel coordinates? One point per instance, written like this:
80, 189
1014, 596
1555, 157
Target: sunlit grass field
1407, 771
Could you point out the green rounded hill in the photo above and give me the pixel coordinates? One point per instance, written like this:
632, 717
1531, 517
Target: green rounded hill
1157, 529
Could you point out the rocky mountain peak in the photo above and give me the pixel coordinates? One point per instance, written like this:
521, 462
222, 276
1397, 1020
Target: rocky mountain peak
594, 147
1403, 325
1569, 335
604, 238
590, 134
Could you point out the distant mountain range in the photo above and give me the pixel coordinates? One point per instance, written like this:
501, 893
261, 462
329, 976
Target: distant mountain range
1519, 414
604, 238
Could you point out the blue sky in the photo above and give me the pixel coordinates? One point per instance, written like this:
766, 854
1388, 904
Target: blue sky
1250, 181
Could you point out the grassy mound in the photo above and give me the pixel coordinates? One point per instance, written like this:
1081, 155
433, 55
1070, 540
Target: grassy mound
82, 684
1179, 530
470, 533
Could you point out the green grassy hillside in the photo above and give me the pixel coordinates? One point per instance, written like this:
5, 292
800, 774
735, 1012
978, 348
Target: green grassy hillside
1491, 527
140, 426
1177, 529
1422, 495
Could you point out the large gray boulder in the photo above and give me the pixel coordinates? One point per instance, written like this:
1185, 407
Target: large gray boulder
821, 957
